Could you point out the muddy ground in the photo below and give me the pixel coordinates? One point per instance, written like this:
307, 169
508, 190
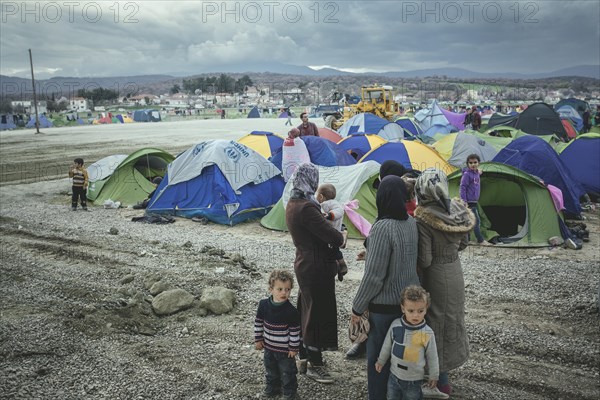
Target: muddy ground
72, 326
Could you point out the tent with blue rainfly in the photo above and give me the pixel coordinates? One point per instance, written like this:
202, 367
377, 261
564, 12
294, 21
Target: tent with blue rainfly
411, 154
371, 123
265, 143
516, 209
456, 147
321, 152
43, 121
254, 113
410, 126
582, 158
220, 180
352, 182
536, 157
126, 178
358, 144
579, 105
433, 115
7, 122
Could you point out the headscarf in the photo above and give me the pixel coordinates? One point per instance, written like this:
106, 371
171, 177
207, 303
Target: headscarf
389, 167
432, 189
305, 182
391, 199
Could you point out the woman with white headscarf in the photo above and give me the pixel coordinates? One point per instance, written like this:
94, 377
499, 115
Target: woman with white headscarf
316, 269
443, 225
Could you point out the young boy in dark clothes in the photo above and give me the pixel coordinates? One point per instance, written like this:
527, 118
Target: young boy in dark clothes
80, 184
277, 332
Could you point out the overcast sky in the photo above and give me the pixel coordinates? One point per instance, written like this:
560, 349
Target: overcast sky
109, 38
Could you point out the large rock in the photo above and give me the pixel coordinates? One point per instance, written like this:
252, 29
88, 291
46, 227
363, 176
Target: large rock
217, 299
159, 287
172, 301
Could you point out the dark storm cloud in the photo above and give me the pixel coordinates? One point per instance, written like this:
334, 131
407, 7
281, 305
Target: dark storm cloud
185, 37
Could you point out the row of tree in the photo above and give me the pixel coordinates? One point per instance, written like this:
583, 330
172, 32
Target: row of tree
213, 84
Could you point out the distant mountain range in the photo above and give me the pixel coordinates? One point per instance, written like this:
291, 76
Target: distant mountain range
587, 71
20, 87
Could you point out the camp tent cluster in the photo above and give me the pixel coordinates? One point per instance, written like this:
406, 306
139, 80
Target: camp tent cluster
229, 182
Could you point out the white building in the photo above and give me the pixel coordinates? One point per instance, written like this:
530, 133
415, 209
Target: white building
28, 106
79, 104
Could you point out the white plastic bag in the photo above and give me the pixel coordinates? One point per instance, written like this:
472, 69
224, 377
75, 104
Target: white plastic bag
112, 204
294, 154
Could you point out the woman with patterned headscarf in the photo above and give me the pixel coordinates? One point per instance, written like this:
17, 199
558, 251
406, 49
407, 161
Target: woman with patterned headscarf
390, 266
316, 269
443, 225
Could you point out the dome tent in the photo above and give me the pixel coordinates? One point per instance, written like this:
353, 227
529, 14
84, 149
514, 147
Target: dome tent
352, 182
265, 143
126, 178
515, 207
220, 180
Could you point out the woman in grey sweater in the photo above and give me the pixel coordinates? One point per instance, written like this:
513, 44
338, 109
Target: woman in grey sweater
390, 266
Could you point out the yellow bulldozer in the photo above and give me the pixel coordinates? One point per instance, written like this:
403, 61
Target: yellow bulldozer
375, 99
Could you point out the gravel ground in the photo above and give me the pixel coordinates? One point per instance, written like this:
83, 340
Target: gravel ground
71, 328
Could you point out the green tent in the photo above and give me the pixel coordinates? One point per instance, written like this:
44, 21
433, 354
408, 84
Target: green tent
514, 206
352, 182
127, 179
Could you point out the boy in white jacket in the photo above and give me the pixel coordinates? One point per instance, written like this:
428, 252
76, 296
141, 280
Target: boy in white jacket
411, 344
333, 211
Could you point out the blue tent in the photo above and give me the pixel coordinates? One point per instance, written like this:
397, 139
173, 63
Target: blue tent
410, 126
581, 158
536, 157
321, 151
221, 180
371, 123
7, 122
254, 113
44, 122
360, 143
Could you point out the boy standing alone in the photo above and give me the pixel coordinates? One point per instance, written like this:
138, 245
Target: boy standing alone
277, 331
470, 189
80, 184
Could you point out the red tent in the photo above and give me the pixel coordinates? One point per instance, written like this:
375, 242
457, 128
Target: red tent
571, 132
329, 135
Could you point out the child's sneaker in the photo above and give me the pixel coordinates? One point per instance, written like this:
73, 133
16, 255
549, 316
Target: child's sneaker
301, 364
342, 269
432, 393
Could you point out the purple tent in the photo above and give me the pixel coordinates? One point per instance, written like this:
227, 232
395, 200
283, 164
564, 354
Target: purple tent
455, 119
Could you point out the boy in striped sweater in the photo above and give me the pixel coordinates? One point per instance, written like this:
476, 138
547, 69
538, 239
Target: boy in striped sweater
80, 184
277, 332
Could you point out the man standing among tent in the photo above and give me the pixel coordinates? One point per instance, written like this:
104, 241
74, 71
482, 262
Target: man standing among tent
307, 128
476, 119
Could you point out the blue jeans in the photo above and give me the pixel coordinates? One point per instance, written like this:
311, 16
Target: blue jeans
377, 382
397, 389
477, 229
280, 373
